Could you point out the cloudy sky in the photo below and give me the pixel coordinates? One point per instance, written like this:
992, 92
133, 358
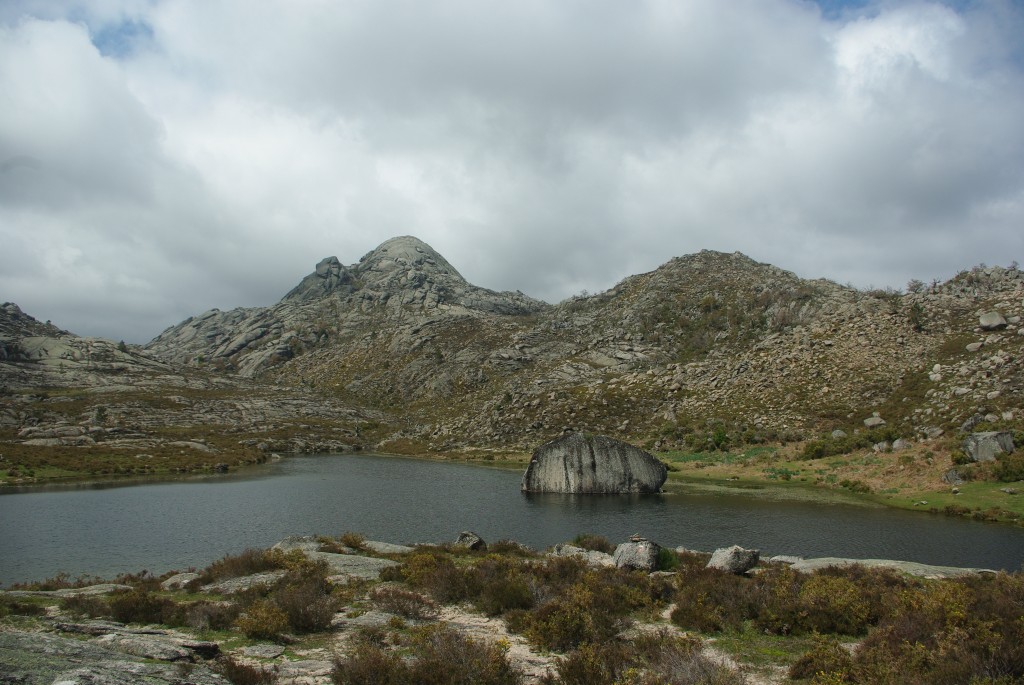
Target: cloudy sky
159, 158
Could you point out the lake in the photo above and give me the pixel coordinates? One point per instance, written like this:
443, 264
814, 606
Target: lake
173, 525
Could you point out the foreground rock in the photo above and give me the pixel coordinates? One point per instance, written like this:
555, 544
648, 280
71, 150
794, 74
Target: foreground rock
592, 557
734, 559
639, 553
988, 446
45, 659
592, 465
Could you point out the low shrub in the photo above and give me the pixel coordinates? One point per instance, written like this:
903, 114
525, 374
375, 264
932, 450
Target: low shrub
435, 573
438, 656
304, 596
210, 615
93, 607
499, 585
595, 543
352, 540
248, 562
12, 606
1010, 467
826, 659
651, 659
263, 620
139, 606
710, 601
244, 674
405, 603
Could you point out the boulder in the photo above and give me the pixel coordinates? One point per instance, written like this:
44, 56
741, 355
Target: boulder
639, 553
178, 581
838, 434
471, 540
988, 445
592, 557
901, 444
583, 464
991, 321
874, 421
734, 559
953, 477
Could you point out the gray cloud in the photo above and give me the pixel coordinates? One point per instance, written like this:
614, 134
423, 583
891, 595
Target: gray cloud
158, 158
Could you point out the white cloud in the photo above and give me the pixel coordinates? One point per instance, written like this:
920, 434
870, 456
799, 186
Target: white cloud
209, 153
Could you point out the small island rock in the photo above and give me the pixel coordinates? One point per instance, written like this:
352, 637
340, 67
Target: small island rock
584, 464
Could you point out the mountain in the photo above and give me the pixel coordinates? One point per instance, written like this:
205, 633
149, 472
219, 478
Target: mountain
399, 353
705, 344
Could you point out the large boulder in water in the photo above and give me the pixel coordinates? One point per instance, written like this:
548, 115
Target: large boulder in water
583, 464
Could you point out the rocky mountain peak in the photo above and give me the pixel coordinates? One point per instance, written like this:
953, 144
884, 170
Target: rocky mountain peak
406, 253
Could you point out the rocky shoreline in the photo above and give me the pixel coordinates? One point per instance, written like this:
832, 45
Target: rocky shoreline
47, 636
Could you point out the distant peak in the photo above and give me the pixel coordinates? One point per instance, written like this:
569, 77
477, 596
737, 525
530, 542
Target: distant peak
407, 251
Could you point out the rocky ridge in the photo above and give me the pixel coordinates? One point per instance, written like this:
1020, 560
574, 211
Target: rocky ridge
708, 350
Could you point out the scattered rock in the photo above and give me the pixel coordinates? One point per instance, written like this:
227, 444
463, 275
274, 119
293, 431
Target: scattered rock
243, 583
909, 567
988, 446
178, 581
874, 421
974, 346
734, 559
901, 444
1009, 491
953, 477
991, 321
639, 553
838, 434
592, 557
471, 540
580, 464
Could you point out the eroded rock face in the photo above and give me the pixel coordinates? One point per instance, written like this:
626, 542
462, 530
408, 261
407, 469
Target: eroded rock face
592, 465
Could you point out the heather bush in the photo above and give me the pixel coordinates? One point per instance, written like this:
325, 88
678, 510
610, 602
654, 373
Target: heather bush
93, 607
405, 603
438, 656
210, 615
499, 585
248, 562
650, 659
304, 596
595, 543
139, 606
436, 574
263, 620
826, 659
710, 600
243, 674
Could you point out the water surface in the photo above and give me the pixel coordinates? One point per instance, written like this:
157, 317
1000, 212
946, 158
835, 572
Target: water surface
173, 525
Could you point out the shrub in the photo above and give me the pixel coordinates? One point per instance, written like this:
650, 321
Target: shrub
137, 606
1010, 467
243, 674
447, 657
248, 562
11, 606
304, 596
595, 543
436, 574
352, 540
93, 607
499, 585
370, 664
439, 656
405, 603
833, 604
710, 601
263, 620
668, 560
210, 615
826, 658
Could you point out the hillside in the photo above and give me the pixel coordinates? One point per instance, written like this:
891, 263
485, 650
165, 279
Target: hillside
711, 351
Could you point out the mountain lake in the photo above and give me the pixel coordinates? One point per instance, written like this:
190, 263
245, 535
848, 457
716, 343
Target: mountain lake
104, 530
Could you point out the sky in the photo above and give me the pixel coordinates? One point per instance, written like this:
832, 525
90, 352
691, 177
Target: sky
159, 158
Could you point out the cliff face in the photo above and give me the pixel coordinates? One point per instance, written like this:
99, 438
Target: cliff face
592, 465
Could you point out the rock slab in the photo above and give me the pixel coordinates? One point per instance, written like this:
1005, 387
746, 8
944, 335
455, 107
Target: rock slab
583, 464
987, 446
